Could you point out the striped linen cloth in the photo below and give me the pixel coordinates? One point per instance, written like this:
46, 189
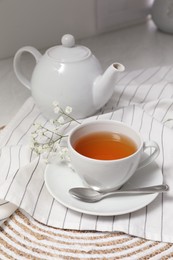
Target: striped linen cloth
142, 99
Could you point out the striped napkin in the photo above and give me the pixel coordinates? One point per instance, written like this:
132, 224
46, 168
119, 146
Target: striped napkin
142, 99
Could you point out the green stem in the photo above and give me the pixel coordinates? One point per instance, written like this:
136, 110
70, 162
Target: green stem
72, 119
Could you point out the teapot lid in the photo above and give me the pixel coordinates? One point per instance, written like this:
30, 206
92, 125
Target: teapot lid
68, 51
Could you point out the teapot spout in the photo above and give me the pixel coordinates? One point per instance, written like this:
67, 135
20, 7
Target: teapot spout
104, 84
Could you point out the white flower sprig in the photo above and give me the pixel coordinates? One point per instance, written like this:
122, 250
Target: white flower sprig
46, 141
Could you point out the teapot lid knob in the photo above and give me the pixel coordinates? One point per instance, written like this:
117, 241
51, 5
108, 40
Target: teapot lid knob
68, 51
68, 40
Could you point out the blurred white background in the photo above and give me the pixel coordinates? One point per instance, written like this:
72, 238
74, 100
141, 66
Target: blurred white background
41, 23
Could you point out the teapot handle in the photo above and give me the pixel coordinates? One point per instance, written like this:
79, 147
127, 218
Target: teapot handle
17, 63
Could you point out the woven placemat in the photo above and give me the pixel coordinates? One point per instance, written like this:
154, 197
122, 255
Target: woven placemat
22, 237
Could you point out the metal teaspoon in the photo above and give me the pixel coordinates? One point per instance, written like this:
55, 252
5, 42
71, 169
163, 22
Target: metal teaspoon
90, 195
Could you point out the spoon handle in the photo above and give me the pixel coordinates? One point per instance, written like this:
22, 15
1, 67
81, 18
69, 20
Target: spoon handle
151, 189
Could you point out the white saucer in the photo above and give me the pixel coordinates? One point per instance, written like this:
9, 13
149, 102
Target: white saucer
59, 179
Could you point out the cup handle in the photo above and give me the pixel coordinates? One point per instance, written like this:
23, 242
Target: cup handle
152, 156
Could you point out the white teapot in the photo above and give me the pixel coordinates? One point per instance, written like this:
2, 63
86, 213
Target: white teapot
69, 74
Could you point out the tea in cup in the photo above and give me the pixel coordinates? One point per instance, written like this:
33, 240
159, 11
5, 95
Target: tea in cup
107, 153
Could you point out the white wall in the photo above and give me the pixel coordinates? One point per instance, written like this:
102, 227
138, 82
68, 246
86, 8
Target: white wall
113, 14
41, 23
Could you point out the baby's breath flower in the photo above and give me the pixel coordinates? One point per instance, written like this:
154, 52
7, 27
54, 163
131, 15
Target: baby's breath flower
56, 146
62, 155
55, 103
46, 140
40, 149
56, 110
68, 110
64, 150
33, 135
61, 120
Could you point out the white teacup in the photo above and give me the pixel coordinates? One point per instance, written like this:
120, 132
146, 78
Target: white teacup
109, 174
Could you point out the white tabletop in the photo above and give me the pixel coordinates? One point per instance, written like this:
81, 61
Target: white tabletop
137, 47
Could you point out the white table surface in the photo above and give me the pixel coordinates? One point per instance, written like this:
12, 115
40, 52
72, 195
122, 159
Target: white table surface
137, 47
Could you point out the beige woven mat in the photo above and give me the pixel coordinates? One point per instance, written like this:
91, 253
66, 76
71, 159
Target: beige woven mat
22, 237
